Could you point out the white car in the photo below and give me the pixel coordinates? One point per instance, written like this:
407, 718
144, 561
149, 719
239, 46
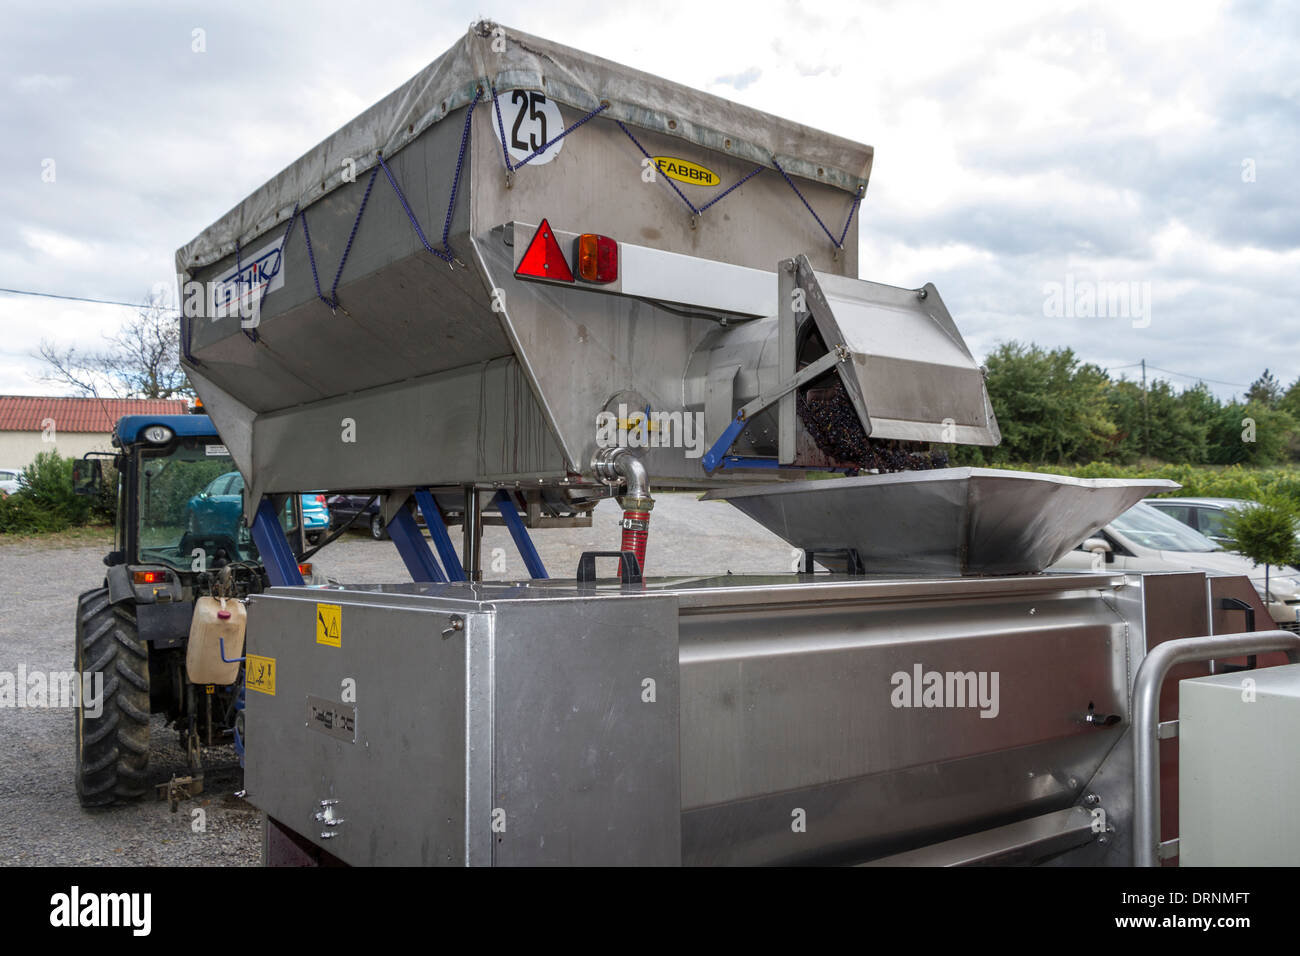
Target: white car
9, 480
1206, 515
1146, 539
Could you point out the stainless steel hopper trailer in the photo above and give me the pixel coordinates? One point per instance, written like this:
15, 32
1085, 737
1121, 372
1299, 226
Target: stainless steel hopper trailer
531, 279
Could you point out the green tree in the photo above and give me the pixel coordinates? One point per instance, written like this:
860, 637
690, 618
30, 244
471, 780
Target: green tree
1175, 435
1201, 406
1250, 434
1055, 410
1160, 423
1124, 400
1265, 533
1265, 390
1290, 401
1050, 407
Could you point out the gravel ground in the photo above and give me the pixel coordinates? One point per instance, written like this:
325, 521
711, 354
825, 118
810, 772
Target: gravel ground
40, 819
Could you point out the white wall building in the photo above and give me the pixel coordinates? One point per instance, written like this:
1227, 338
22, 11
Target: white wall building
30, 424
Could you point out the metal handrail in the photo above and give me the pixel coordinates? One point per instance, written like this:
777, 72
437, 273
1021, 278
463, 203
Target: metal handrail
1146, 717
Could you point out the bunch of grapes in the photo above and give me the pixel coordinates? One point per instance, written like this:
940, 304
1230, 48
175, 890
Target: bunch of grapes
829, 417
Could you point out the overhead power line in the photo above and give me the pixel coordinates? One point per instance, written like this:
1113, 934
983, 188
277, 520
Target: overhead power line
1168, 371
1199, 378
79, 298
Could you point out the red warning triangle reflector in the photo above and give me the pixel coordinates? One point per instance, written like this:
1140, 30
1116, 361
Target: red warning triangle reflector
543, 258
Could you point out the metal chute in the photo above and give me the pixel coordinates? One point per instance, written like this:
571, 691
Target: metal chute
945, 521
904, 375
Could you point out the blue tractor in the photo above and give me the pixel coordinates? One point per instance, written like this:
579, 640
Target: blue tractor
180, 536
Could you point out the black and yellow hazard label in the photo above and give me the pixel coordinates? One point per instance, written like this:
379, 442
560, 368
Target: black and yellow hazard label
259, 674
329, 625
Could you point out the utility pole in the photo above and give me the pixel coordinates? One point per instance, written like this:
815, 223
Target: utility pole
1146, 418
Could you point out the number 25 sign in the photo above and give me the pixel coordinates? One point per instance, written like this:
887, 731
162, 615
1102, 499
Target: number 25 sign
531, 121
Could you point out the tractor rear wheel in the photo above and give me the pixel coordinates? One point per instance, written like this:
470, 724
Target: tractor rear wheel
112, 747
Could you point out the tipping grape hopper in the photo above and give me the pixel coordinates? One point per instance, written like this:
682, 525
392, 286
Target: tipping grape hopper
531, 279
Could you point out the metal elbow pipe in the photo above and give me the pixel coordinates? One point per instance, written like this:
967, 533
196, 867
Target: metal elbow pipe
632, 469
618, 465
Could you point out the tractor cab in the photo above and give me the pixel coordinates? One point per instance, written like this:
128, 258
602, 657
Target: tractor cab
179, 503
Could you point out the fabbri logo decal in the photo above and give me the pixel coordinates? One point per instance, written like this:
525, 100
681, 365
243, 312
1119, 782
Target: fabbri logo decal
684, 171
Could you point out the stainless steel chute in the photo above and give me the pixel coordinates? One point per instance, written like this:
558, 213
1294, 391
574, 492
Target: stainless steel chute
911, 376
947, 521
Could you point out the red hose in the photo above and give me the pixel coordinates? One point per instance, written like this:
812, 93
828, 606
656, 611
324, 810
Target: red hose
636, 529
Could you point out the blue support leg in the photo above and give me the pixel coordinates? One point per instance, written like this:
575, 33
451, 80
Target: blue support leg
713, 457
277, 556
509, 514
438, 532
419, 560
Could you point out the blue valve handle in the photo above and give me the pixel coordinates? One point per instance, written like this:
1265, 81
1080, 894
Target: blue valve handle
221, 643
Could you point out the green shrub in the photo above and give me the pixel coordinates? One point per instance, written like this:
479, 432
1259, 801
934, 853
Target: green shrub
44, 500
20, 515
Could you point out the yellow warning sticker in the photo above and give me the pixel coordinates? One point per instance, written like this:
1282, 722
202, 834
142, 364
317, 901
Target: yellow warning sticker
259, 674
329, 625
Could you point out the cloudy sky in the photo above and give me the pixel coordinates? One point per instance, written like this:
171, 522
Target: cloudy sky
1019, 147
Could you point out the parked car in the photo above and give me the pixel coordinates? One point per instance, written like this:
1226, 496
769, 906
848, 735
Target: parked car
1206, 515
315, 517
1144, 538
342, 508
9, 480
219, 507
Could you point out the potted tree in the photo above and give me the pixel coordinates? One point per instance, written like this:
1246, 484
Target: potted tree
1265, 533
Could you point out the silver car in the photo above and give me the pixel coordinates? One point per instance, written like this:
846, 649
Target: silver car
1206, 515
1144, 538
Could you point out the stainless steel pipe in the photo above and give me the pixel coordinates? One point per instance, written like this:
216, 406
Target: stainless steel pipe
473, 535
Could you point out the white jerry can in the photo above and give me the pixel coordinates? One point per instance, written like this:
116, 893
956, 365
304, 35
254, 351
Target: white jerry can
217, 622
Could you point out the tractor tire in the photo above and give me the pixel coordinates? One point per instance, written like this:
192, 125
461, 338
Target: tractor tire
112, 750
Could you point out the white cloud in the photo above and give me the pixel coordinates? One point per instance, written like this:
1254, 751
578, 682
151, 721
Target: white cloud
1014, 144
36, 82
